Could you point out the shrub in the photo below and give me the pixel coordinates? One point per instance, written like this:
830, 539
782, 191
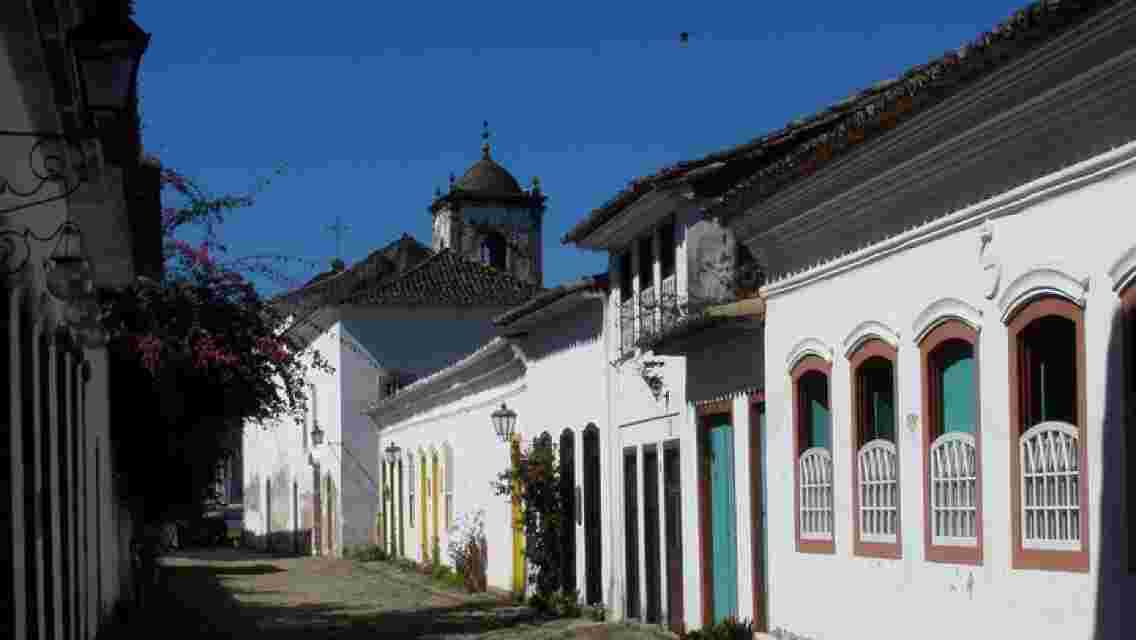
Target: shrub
729, 629
468, 552
365, 553
566, 604
534, 480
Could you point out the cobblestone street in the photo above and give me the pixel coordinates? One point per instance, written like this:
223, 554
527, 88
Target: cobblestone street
234, 593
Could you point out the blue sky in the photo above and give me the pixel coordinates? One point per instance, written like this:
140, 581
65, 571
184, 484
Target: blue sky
370, 108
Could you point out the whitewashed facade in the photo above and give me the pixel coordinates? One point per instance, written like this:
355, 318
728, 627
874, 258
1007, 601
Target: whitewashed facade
282, 458
547, 373
935, 520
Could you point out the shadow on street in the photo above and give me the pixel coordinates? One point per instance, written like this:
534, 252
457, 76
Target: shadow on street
228, 593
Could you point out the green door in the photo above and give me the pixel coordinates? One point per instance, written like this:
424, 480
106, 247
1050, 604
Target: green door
724, 533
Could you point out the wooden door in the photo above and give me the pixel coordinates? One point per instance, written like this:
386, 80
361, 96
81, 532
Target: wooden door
568, 495
673, 497
631, 533
653, 596
757, 511
722, 510
592, 549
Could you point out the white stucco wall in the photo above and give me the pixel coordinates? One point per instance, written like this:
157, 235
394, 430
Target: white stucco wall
552, 384
277, 451
842, 596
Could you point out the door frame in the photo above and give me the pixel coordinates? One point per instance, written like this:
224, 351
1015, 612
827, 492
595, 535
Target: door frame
704, 413
758, 528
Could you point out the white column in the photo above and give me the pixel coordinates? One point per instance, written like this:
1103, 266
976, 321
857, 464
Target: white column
20, 535
691, 540
54, 475
744, 524
661, 497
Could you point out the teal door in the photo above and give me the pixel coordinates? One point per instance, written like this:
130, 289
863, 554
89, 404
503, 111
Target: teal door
724, 533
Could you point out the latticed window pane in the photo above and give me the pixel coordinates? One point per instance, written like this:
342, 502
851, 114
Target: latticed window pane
627, 325
954, 490
879, 489
816, 494
1050, 487
647, 308
668, 301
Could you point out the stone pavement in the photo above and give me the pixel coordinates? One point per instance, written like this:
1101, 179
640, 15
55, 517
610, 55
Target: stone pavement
226, 593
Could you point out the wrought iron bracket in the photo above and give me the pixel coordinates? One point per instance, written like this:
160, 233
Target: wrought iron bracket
17, 242
47, 167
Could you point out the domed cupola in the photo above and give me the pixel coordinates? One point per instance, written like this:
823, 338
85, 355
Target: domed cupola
486, 216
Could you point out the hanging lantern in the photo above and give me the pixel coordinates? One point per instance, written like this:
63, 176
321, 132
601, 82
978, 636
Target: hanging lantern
68, 270
392, 452
504, 420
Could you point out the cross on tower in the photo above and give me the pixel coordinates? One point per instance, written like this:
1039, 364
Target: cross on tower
485, 137
338, 229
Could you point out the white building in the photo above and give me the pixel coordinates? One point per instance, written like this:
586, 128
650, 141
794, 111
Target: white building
673, 277
936, 431
404, 311
548, 367
64, 527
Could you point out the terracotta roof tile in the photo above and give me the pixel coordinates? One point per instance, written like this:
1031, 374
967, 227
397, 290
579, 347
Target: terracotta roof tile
768, 162
446, 278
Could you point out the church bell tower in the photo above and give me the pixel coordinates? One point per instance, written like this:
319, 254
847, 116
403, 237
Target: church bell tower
487, 217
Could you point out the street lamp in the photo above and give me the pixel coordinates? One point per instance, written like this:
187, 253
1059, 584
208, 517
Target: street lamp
504, 420
317, 435
69, 271
392, 452
108, 48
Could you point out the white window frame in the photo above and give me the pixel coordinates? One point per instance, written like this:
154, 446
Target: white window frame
816, 494
879, 492
954, 490
1050, 486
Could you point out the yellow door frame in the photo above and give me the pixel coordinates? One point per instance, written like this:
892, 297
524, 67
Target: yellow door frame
518, 524
437, 488
422, 502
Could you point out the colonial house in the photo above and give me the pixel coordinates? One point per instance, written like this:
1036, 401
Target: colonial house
936, 413
79, 212
404, 311
547, 369
678, 512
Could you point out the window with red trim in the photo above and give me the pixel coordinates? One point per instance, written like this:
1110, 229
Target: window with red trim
813, 450
1049, 487
951, 444
875, 460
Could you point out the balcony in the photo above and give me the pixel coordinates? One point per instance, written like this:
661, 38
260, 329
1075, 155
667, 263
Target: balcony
645, 317
627, 325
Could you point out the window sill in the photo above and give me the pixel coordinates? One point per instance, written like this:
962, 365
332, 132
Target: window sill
954, 555
884, 550
1034, 559
816, 546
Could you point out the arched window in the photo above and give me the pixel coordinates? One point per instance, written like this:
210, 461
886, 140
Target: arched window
953, 490
593, 552
1049, 493
813, 468
875, 465
493, 250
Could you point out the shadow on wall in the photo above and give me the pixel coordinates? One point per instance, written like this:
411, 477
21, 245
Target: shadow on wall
1116, 585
